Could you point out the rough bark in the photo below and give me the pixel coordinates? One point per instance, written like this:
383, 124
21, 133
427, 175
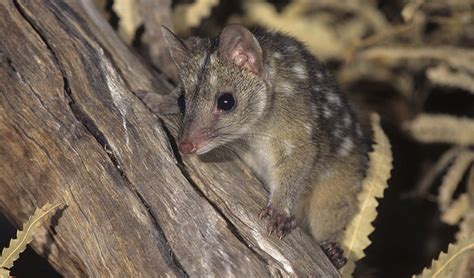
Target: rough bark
72, 130
156, 13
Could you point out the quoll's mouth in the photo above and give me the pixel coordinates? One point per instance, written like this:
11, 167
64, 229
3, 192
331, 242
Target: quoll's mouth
194, 148
187, 148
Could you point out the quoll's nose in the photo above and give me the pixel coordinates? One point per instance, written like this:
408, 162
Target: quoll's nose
187, 148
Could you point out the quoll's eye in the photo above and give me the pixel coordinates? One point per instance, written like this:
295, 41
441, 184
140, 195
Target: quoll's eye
225, 102
181, 103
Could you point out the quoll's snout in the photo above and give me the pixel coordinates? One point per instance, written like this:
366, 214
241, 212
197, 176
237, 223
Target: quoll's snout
187, 148
193, 140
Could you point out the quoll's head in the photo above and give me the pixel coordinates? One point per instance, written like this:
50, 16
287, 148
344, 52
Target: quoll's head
224, 89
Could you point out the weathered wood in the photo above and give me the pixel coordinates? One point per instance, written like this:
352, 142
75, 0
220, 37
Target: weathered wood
72, 131
156, 13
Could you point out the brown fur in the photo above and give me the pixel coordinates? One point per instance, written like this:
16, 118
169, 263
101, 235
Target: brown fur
325, 217
291, 124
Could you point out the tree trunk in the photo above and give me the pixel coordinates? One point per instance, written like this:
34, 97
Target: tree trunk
72, 130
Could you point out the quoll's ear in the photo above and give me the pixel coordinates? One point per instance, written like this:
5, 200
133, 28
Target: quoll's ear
178, 49
238, 45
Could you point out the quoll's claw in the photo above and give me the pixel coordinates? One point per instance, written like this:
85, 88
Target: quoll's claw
335, 253
266, 212
279, 223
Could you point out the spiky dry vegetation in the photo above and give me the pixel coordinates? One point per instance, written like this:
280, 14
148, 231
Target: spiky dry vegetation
23, 237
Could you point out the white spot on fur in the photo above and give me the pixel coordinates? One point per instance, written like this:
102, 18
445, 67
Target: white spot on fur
317, 89
277, 55
327, 113
300, 71
346, 146
319, 75
334, 99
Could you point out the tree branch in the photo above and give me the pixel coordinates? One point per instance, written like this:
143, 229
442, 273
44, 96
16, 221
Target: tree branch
72, 131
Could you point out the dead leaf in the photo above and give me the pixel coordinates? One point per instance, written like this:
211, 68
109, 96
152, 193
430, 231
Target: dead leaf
356, 236
11, 253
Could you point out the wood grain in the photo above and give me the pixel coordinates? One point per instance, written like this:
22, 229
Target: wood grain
72, 130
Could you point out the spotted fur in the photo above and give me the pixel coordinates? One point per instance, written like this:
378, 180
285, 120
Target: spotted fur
291, 124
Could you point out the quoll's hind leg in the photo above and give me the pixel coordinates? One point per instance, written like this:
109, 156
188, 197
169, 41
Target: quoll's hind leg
331, 248
329, 211
334, 252
333, 200
330, 207
328, 225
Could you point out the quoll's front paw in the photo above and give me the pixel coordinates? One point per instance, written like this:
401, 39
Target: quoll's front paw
278, 221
